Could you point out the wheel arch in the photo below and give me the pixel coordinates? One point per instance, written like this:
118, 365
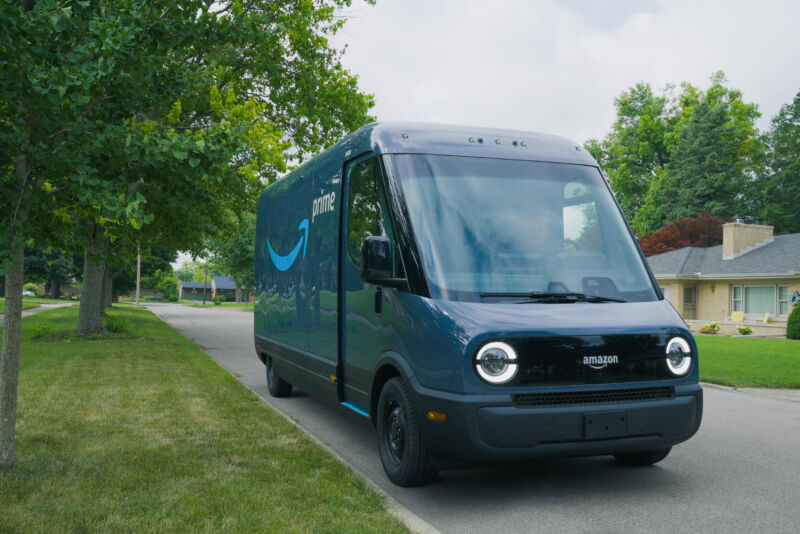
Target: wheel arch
389, 366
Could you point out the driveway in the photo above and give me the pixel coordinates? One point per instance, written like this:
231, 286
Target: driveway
740, 473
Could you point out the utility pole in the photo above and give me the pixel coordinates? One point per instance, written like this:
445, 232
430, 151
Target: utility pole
205, 282
138, 272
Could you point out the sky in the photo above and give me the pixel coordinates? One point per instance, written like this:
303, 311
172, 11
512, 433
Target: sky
555, 66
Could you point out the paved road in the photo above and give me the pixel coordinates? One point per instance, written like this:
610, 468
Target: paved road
740, 473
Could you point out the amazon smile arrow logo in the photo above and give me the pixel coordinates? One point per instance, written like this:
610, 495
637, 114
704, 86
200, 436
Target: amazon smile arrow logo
284, 263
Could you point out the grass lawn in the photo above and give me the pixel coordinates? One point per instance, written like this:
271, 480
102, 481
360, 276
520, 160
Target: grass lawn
149, 434
749, 362
46, 300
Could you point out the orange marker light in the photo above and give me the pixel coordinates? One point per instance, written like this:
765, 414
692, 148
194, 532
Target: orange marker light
439, 417
333, 378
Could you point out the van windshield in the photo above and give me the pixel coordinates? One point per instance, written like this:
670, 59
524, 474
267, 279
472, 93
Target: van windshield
494, 230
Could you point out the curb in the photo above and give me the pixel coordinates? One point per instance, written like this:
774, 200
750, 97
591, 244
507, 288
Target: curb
717, 386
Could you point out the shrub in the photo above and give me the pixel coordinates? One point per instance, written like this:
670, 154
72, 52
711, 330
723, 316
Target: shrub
793, 324
41, 331
745, 330
31, 287
117, 325
711, 327
172, 298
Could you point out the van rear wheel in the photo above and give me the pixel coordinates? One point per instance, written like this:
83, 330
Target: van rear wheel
277, 386
644, 457
403, 454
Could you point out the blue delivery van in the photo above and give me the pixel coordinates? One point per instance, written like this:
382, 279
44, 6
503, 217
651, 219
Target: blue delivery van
477, 294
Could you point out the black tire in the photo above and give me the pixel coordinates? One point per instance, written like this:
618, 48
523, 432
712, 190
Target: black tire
403, 454
643, 458
277, 386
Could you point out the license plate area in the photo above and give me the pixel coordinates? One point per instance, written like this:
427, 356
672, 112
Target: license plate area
604, 425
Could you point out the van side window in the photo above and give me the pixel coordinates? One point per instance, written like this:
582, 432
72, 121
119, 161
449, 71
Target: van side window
367, 215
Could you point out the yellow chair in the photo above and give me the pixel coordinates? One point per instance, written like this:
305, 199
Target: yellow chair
766, 318
737, 317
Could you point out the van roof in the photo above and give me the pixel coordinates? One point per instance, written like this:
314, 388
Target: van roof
447, 139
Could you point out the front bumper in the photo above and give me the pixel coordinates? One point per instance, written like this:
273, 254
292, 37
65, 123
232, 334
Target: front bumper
486, 427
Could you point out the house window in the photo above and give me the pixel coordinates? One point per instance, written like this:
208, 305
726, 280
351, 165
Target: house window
690, 302
783, 300
759, 300
736, 298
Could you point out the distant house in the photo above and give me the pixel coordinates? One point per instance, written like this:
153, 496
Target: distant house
225, 286
193, 290
749, 278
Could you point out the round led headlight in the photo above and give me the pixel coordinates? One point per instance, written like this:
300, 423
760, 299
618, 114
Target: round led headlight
496, 362
679, 356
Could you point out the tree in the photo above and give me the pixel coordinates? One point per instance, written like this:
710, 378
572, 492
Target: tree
673, 156
702, 231
154, 259
51, 266
233, 253
638, 147
150, 118
713, 162
781, 181
185, 272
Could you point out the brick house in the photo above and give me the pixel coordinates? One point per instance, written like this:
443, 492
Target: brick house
748, 279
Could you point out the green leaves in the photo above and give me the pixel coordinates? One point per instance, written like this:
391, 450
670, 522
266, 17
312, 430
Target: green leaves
152, 119
672, 156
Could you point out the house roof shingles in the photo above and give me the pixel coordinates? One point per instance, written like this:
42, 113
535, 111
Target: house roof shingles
781, 256
224, 282
193, 285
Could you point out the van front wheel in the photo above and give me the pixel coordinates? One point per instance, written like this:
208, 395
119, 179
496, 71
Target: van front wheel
644, 457
277, 386
403, 454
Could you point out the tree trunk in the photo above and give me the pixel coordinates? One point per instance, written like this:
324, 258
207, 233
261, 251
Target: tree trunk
108, 280
9, 361
90, 313
55, 289
238, 296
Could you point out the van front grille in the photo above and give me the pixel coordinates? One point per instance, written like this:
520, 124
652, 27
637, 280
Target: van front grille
592, 397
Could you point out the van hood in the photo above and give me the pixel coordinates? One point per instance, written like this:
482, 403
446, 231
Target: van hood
578, 318
556, 344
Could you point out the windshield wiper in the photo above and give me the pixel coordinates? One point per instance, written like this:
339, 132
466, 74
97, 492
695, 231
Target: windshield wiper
543, 296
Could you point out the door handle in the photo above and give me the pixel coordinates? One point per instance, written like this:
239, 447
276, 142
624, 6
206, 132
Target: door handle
378, 300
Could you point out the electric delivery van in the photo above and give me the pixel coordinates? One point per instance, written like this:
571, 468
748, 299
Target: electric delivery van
477, 294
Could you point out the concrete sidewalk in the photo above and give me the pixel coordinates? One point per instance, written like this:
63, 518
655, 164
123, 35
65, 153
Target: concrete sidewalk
41, 308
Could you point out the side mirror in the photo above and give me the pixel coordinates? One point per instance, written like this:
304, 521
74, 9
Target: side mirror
376, 263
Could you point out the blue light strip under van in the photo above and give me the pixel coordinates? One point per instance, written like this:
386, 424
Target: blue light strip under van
357, 410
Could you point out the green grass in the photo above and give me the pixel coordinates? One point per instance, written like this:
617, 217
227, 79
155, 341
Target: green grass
45, 300
749, 362
149, 434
